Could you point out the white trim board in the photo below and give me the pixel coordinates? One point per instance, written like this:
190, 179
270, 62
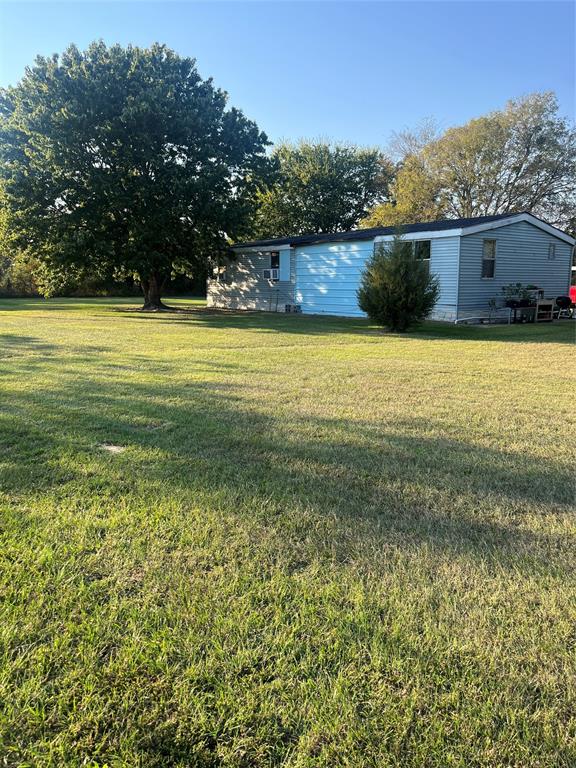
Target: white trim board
428, 235
263, 249
434, 235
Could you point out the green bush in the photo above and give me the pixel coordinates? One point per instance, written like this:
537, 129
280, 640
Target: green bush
397, 289
17, 276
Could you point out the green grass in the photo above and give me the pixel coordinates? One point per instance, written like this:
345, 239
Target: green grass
321, 545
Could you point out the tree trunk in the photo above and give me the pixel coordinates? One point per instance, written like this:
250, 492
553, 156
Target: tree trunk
152, 287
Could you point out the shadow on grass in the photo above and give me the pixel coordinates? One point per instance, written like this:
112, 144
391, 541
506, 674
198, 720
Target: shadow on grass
17, 343
205, 439
84, 304
563, 332
266, 322
559, 332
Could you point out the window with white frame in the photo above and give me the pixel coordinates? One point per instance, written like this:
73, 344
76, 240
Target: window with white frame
488, 259
422, 250
273, 272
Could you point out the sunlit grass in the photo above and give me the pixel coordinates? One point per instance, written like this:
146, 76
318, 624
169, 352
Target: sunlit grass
316, 545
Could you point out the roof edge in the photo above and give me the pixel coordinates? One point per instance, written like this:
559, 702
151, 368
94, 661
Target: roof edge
459, 228
518, 217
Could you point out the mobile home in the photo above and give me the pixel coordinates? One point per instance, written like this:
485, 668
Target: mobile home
473, 258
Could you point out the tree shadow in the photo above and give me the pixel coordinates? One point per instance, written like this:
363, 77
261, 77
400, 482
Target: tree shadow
396, 484
264, 322
18, 343
562, 332
81, 303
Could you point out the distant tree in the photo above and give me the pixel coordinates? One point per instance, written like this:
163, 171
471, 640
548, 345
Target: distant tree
396, 289
416, 198
408, 142
18, 276
519, 159
123, 161
322, 187
16, 270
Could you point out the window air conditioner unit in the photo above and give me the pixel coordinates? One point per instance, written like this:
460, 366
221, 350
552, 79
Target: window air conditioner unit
271, 274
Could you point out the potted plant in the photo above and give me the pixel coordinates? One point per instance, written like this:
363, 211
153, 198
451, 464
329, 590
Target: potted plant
517, 295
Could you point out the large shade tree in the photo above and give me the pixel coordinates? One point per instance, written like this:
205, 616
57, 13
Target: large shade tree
521, 158
322, 187
124, 161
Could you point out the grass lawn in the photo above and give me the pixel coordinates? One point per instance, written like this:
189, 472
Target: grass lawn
247, 540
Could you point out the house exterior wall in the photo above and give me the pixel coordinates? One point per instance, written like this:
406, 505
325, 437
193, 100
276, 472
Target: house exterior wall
328, 276
521, 257
323, 278
444, 255
246, 287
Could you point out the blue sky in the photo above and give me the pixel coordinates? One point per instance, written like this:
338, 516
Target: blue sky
350, 71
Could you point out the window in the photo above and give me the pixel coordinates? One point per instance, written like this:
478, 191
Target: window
220, 274
273, 272
422, 251
552, 251
488, 259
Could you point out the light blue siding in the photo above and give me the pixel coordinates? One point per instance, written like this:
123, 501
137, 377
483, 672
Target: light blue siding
521, 257
328, 276
285, 258
324, 277
444, 263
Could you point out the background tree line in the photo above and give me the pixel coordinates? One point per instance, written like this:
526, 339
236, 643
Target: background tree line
520, 158
122, 169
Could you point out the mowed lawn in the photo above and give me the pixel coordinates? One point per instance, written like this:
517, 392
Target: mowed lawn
244, 540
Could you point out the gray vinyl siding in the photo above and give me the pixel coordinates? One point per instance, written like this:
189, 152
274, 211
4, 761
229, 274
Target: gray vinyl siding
444, 253
521, 257
246, 287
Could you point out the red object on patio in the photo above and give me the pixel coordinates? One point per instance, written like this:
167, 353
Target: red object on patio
573, 294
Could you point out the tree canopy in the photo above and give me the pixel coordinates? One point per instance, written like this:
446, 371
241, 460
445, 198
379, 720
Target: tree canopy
119, 161
322, 187
521, 158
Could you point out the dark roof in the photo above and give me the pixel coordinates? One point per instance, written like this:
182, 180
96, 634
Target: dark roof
369, 234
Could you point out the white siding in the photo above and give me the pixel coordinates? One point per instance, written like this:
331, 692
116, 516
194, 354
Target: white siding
284, 272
